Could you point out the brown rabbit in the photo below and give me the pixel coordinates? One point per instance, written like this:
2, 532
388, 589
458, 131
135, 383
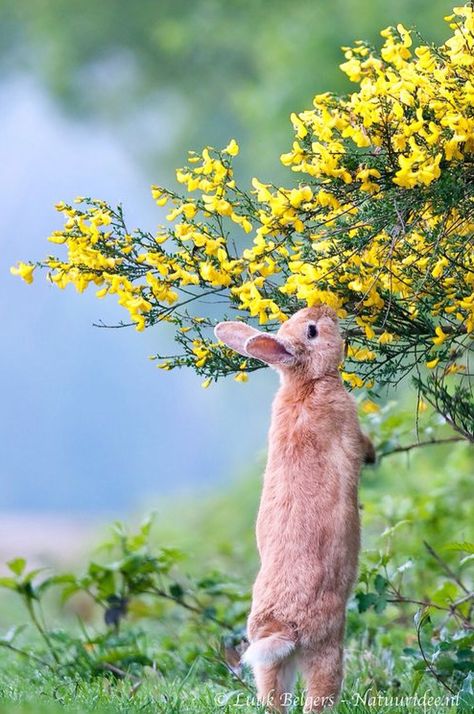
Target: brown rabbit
308, 532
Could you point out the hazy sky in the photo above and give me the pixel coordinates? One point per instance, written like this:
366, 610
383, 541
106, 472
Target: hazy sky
88, 424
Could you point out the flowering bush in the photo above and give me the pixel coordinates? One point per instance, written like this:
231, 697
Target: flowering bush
377, 223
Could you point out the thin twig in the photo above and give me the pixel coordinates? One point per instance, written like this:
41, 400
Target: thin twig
445, 567
418, 444
428, 663
28, 655
120, 672
191, 608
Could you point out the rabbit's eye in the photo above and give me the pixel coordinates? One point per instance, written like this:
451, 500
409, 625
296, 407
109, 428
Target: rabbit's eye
312, 332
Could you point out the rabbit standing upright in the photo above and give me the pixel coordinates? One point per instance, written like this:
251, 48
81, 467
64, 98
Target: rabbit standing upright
308, 532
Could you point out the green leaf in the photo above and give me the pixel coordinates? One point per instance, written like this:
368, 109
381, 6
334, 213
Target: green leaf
31, 575
106, 585
445, 645
174, 555
465, 665
464, 640
17, 565
444, 664
365, 600
420, 666
465, 547
176, 590
465, 653
446, 594
69, 591
64, 579
140, 539
380, 584
96, 570
103, 578
9, 583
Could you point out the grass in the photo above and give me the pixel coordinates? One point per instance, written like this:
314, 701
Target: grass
26, 690
429, 500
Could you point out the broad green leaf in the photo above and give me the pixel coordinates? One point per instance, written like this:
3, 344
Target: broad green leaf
463, 639
420, 666
380, 583
446, 594
365, 600
444, 664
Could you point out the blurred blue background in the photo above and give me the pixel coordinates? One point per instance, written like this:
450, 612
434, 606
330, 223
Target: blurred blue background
103, 100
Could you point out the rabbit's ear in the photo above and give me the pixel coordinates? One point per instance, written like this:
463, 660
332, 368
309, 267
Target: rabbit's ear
269, 349
235, 335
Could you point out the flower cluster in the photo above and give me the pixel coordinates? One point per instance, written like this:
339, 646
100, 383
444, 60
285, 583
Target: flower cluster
377, 223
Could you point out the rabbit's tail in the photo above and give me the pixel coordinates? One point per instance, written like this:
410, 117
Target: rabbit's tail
269, 650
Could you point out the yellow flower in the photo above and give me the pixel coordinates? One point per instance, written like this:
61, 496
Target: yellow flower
362, 354
201, 353
385, 338
454, 368
232, 148
189, 210
241, 377
24, 270
358, 228
353, 379
206, 383
422, 405
164, 365
353, 69
440, 336
263, 194
406, 177
370, 407
299, 126
159, 196
441, 264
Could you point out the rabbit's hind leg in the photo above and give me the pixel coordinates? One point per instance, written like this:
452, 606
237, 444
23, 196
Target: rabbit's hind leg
275, 683
322, 671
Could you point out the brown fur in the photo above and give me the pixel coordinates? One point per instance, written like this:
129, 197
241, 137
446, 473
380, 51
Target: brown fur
308, 532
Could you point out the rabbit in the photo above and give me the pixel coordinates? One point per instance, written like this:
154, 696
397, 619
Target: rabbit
308, 532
